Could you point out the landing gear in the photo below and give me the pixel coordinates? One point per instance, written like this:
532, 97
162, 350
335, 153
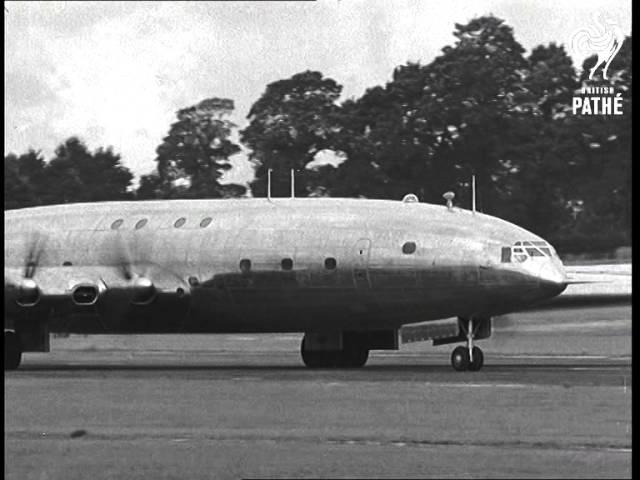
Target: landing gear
352, 355
470, 357
478, 360
12, 351
460, 359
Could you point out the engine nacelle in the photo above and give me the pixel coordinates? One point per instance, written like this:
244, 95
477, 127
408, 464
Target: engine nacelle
85, 294
28, 293
144, 292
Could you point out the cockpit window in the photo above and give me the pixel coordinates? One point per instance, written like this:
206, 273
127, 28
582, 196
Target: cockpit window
520, 257
523, 250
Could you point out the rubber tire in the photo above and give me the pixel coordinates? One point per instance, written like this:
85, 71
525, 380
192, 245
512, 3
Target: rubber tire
354, 357
478, 360
320, 358
310, 358
460, 359
12, 351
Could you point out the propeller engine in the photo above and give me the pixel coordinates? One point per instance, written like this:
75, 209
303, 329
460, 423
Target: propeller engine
26, 290
140, 287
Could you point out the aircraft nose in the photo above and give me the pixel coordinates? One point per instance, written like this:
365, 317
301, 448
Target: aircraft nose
552, 279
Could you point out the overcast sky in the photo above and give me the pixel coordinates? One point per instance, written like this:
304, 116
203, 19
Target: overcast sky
115, 73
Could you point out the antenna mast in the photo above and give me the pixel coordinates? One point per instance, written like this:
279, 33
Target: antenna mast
293, 183
473, 194
269, 184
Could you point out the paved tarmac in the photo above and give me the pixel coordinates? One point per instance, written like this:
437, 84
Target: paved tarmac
548, 403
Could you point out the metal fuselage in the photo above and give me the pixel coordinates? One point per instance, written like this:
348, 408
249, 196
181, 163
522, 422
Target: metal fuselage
288, 284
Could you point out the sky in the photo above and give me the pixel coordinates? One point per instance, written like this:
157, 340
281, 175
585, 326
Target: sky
115, 73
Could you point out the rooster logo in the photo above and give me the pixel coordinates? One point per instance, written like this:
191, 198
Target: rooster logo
604, 39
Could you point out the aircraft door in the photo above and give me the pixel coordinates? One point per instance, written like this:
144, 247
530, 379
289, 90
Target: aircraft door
362, 250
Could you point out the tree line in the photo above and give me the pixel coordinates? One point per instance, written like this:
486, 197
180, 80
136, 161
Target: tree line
482, 107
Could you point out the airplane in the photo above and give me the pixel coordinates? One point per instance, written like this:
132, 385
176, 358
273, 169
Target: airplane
348, 273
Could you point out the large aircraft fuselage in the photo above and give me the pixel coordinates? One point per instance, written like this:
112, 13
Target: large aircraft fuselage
253, 265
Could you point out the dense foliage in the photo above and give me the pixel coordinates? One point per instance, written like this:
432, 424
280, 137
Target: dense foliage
73, 175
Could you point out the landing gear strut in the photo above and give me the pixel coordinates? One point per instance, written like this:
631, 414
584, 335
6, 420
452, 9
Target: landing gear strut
12, 351
352, 355
469, 357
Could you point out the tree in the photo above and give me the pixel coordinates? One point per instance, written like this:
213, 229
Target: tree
73, 175
77, 175
290, 124
432, 126
194, 155
24, 180
359, 174
602, 177
474, 94
541, 145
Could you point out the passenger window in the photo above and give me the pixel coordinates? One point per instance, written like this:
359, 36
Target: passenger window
245, 265
141, 224
506, 254
330, 263
287, 264
180, 222
117, 224
205, 222
409, 248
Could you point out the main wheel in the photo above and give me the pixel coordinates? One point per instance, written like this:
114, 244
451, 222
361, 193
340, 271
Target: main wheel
354, 357
478, 360
312, 359
460, 359
354, 352
12, 351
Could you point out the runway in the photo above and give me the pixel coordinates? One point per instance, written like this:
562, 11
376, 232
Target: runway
243, 406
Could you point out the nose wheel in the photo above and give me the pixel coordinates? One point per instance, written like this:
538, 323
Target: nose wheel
469, 357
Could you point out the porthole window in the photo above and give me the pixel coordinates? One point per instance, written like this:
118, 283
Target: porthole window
330, 263
287, 264
409, 248
205, 222
117, 224
141, 223
245, 265
180, 222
